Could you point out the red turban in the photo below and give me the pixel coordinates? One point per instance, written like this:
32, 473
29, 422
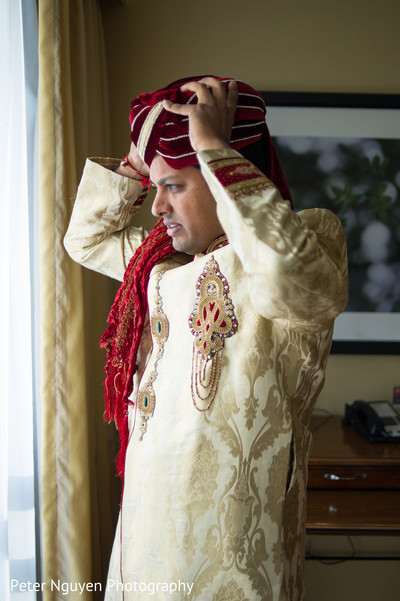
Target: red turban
154, 130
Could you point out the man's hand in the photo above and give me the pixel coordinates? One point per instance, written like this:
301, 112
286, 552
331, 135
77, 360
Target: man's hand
211, 119
139, 167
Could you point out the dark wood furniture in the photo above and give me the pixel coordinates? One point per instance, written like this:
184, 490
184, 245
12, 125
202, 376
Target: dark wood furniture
353, 485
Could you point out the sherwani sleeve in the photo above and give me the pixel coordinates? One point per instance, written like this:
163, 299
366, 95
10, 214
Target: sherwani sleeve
296, 263
100, 235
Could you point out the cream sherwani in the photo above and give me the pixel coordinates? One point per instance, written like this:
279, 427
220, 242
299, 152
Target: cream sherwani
215, 481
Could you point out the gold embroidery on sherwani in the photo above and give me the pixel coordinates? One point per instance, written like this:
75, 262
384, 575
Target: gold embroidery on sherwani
216, 244
240, 177
255, 527
256, 364
159, 329
199, 491
237, 540
249, 187
240, 539
231, 592
213, 319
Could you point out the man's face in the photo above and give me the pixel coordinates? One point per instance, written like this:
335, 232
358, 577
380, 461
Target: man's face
187, 206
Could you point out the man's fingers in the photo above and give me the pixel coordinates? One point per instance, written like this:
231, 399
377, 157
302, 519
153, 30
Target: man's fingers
202, 91
215, 87
232, 99
233, 94
207, 90
200, 88
174, 107
210, 88
212, 117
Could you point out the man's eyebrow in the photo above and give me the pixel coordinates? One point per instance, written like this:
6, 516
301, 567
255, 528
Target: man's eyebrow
164, 180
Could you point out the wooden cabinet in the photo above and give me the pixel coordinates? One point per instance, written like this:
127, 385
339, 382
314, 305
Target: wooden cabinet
353, 485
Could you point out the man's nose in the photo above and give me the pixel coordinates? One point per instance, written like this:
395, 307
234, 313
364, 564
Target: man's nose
160, 204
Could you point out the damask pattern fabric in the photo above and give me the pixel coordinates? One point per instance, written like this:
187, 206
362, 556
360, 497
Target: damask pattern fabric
214, 492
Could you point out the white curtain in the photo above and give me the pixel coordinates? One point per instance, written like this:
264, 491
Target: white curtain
18, 87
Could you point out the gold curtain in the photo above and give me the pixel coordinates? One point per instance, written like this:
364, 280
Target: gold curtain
77, 448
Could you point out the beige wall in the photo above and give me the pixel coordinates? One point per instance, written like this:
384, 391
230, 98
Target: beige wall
286, 45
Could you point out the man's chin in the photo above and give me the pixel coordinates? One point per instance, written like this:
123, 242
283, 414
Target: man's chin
182, 247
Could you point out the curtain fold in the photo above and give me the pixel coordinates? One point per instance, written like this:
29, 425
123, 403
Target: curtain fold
77, 517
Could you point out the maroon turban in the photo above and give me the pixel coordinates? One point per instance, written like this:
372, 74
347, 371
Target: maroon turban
154, 130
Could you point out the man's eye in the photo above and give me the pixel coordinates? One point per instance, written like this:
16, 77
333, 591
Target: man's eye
172, 187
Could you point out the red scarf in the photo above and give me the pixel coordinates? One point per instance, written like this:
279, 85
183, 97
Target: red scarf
122, 337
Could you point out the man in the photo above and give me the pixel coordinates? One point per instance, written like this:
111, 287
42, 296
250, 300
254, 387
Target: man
216, 348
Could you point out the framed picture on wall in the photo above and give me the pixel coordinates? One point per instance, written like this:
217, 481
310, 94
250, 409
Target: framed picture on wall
342, 152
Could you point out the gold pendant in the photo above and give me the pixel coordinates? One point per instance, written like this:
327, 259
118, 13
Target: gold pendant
159, 327
212, 320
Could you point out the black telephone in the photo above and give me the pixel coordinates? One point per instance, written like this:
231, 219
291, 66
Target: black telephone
377, 421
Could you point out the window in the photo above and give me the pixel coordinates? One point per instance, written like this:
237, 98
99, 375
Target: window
18, 307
